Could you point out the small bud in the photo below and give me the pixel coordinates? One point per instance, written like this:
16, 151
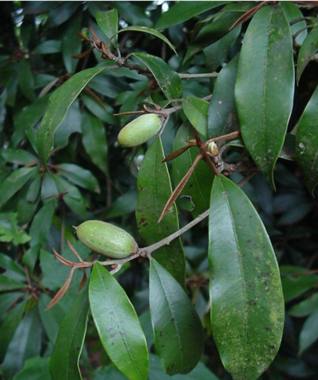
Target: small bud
213, 148
139, 130
107, 239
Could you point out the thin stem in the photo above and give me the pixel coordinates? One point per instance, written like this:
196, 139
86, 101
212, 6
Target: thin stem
167, 240
198, 75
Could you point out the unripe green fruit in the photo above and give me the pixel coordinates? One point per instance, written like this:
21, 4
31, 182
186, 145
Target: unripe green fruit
139, 130
107, 239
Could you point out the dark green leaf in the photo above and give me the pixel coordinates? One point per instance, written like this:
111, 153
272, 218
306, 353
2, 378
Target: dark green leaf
208, 31
220, 51
123, 205
94, 141
296, 281
26, 80
60, 101
39, 231
51, 318
48, 47
167, 79
79, 176
27, 118
153, 32
7, 284
264, 88
71, 124
14, 182
154, 189
64, 362
198, 187
183, 11
305, 307
26, 343
200, 372
177, 328
196, 111
307, 141
72, 197
247, 305
222, 114
307, 51
108, 23
71, 43
99, 109
18, 156
309, 332
297, 24
117, 324
8, 327
34, 369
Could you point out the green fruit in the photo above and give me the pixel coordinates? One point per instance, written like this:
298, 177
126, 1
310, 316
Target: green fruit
107, 239
139, 130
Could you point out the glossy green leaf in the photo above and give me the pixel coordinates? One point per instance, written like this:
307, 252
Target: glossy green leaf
8, 327
51, 318
220, 51
48, 47
247, 304
108, 23
297, 24
94, 141
39, 231
154, 189
264, 87
153, 32
196, 111
307, 51
222, 114
60, 101
64, 362
305, 307
36, 368
27, 118
211, 30
307, 142
200, 372
183, 11
70, 125
309, 332
26, 80
167, 79
198, 187
177, 328
14, 182
117, 324
25, 343
296, 281
18, 156
8, 284
79, 176
72, 43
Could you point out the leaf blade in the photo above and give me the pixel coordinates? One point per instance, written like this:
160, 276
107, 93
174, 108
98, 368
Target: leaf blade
120, 333
247, 311
59, 102
177, 328
70, 340
264, 87
307, 141
154, 188
167, 79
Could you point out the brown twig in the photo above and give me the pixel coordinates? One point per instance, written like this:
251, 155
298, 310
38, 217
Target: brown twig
176, 192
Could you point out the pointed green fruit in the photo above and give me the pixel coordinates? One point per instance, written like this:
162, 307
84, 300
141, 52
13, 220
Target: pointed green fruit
106, 238
139, 130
